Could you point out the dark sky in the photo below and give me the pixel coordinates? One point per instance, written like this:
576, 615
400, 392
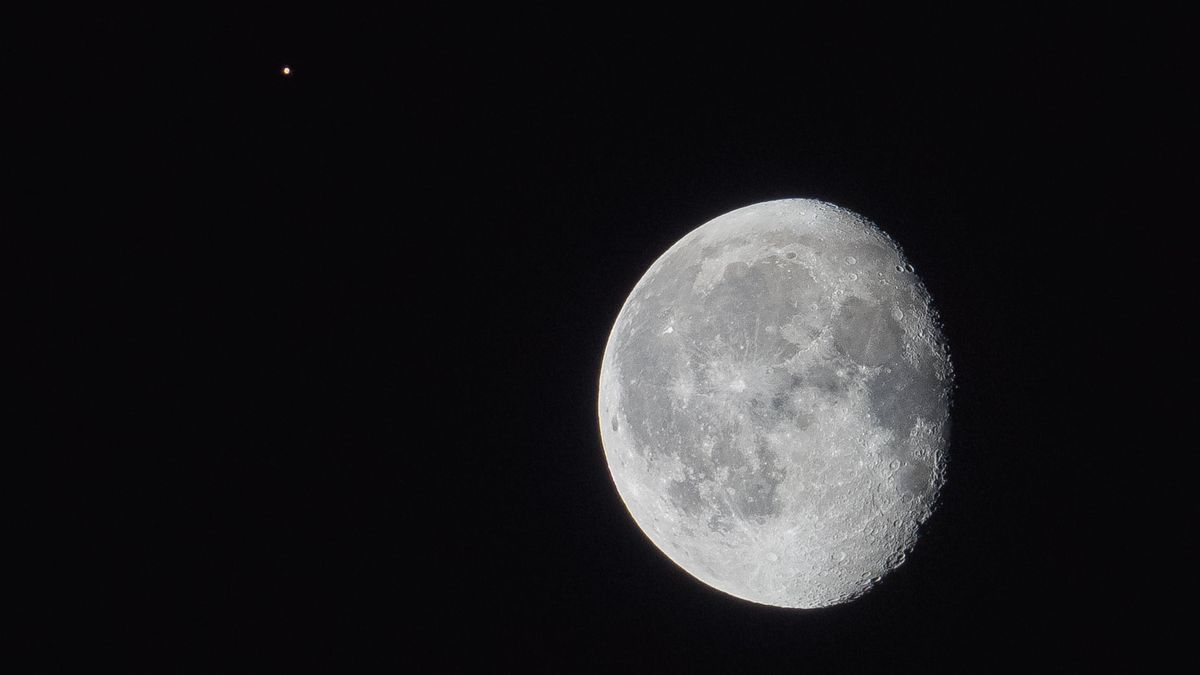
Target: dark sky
339, 333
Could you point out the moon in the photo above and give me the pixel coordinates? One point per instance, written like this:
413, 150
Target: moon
774, 404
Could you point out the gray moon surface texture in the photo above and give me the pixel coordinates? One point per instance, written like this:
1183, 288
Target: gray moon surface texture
775, 403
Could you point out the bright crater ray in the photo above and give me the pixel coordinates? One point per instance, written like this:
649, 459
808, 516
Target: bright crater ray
774, 404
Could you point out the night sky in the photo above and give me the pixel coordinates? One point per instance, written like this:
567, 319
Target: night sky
338, 333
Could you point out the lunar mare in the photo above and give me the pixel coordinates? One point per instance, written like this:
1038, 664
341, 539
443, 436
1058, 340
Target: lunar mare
774, 404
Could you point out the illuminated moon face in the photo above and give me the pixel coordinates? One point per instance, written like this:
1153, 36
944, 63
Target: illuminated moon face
774, 404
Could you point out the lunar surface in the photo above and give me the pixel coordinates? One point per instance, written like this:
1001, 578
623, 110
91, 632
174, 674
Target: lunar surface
775, 401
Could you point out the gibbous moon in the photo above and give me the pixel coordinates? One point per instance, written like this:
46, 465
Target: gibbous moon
775, 401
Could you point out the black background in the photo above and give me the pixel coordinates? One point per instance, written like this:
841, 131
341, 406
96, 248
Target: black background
335, 337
